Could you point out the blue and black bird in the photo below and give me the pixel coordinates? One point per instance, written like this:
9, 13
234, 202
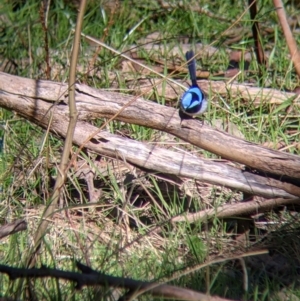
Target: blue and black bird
193, 101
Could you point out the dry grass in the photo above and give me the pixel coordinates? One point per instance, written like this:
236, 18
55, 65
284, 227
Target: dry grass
116, 217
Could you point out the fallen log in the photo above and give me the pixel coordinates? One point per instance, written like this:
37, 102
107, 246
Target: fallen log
44, 103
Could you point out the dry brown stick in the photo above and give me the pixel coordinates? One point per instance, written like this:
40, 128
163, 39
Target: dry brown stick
54, 91
13, 227
238, 209
62, 171
89, 277
147, 156
295, 55
256, 34
257, 96
45, 30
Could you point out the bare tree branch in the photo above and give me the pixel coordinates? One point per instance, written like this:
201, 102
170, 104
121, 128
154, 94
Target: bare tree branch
238, 209
291, 42
261, 60
90, 277
13, 227
63, 166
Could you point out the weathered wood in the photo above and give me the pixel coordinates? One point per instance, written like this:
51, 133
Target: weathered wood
94, 103
21, 95
257, 96
238, 209
13, 227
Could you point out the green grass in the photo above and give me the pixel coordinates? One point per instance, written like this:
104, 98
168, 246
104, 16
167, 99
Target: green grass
129, 228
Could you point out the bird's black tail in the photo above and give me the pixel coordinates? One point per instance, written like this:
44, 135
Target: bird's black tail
192, 66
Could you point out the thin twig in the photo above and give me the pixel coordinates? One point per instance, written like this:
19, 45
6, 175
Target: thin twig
90, 277
43, 19
13, 227
261, 60
295, 55
63, 167
238, 209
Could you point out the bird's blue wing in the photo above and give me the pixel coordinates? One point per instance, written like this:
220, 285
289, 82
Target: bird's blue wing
192, 97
